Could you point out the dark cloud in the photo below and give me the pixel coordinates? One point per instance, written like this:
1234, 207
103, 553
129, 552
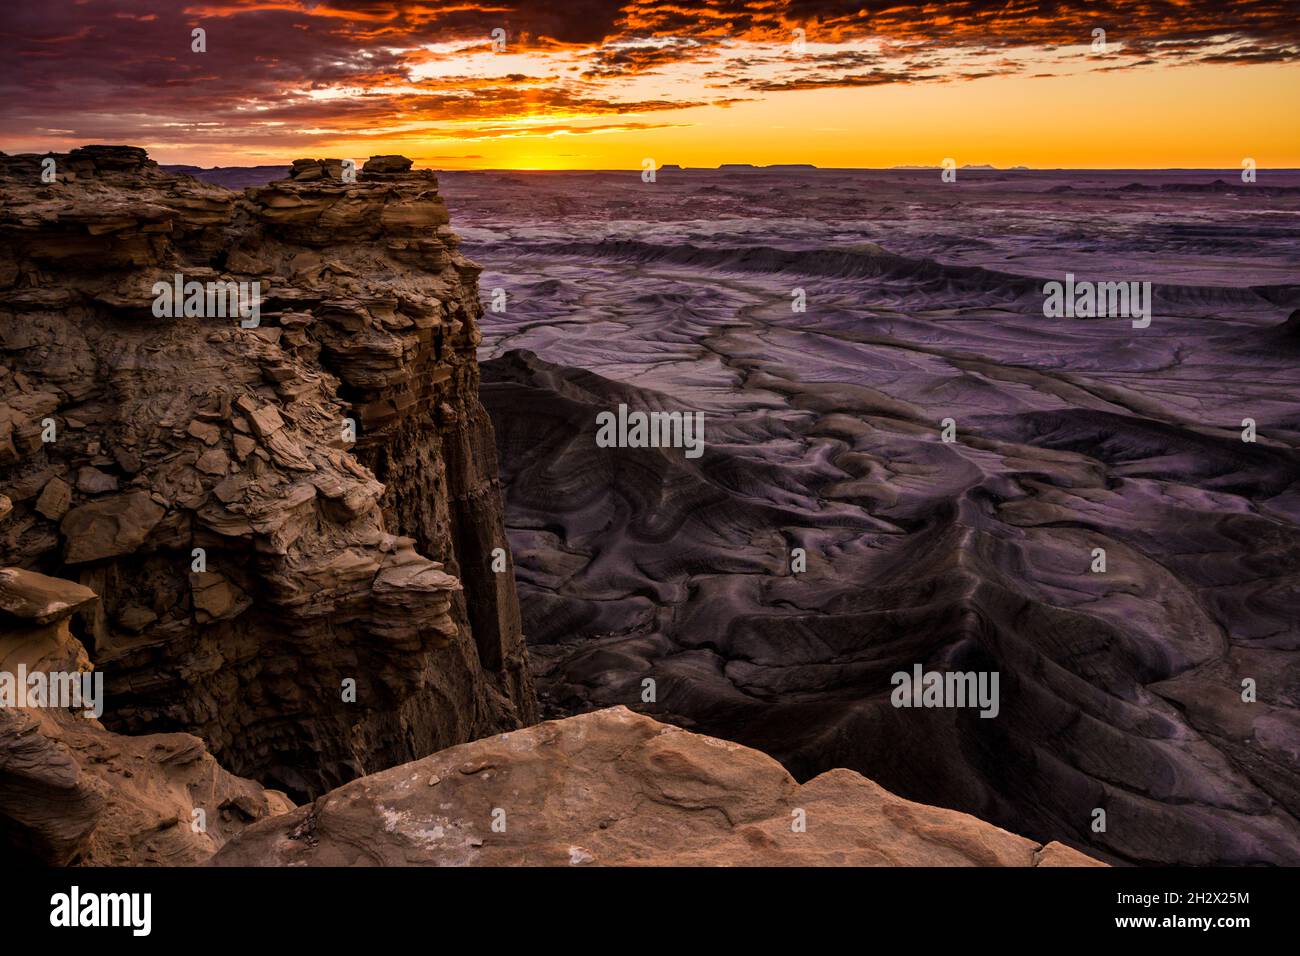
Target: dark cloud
1256, 54
821, 81
621, 59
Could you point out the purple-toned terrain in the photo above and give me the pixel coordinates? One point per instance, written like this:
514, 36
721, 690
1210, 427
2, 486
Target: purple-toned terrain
1163, 690
1120, 690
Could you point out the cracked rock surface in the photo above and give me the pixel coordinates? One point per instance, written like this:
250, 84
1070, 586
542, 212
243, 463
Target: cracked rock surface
618, 788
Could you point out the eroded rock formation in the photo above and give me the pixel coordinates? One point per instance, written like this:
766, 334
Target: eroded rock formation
73, 792
617, 788
267, 512
1159, 687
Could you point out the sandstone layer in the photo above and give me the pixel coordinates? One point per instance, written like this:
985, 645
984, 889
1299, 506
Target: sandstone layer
277, 513
618, 788
72, 792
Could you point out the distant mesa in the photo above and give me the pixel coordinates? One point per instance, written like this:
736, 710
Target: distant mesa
1218, 186
233, 177
737, 167
971, 167
670, 168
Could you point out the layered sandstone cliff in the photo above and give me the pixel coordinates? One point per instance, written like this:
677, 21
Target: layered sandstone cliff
271, 515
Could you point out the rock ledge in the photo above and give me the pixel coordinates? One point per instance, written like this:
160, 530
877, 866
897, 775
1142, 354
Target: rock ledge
616, 788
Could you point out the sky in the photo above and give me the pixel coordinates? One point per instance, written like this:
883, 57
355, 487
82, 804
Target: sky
588, 84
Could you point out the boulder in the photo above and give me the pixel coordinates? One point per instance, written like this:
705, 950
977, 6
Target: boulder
615, 788
55, 499
386, 164
109, 527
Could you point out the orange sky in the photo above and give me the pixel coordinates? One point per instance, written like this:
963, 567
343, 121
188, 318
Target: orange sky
1157, 117
596, 84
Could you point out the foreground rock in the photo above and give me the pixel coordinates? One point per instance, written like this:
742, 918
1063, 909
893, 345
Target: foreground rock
72, 792
290, 525
617, 788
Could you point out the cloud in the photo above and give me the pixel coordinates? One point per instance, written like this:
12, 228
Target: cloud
292, 71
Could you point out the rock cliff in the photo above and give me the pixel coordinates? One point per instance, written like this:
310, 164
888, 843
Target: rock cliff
73, 792
289, 512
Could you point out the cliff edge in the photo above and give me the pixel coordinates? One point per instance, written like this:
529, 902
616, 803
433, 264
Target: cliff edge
617, 788
288, 509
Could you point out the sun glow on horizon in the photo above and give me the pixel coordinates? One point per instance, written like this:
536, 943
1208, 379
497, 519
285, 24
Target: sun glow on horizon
831, 97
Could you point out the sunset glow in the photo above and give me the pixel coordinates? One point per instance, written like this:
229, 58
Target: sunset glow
606, 86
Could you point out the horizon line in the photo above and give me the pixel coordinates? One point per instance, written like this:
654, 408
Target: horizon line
807, 167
